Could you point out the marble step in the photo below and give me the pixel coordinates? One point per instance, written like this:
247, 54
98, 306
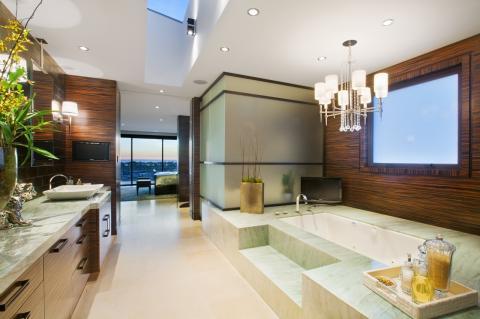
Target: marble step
282, 271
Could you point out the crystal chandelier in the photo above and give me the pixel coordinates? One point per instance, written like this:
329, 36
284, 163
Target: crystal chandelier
348, 96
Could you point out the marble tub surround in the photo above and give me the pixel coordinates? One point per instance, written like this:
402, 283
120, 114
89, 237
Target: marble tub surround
331, 282
21, 247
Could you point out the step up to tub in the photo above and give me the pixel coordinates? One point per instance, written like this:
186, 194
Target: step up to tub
282, 271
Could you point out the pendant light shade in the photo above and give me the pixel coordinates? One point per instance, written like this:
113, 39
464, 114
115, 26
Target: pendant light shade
331, 82
320, 88
359, 79
380, 85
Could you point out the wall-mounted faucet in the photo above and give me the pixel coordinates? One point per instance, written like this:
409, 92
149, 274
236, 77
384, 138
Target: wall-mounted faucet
297, 207
68, 180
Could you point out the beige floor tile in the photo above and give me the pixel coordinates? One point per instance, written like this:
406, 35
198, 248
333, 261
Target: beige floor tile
163, 266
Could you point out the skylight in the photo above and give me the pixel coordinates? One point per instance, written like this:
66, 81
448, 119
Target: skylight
174, 9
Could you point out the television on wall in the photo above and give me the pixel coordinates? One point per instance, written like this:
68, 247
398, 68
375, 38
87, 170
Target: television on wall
90, 151
322, 190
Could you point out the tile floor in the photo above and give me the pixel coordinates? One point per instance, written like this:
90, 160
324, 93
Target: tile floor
162, 266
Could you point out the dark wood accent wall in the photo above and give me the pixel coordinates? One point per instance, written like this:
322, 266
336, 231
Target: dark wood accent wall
45, 86
183, 128
195, 158
446, 201
97, 121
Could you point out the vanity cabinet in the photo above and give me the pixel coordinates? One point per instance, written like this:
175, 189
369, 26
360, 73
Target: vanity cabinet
52, 286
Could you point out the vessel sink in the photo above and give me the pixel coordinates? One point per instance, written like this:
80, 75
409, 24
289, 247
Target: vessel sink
65, 192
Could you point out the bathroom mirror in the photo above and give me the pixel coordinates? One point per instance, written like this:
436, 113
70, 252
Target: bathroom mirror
43, 91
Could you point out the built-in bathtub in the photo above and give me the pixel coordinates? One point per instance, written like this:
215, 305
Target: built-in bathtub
382, 245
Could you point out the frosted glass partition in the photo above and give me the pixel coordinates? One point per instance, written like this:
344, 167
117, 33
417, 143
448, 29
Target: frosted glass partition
419, 124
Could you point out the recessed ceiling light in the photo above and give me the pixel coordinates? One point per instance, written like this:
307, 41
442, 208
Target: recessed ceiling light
161, 120
157, 107
84, 48
162, 91
253, 12
224, 49
387, 22
321, 58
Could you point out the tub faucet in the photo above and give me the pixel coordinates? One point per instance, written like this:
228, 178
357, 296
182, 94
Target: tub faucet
297, 206
55, 176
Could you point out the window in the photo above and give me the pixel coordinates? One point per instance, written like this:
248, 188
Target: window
144, 157
420, 122
175, 9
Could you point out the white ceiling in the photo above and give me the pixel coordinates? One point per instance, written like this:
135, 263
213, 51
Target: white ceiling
146, 52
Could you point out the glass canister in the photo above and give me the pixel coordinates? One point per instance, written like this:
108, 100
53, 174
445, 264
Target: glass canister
439, 255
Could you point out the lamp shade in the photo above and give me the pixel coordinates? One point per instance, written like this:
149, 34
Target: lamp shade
324, 100
359, 79
331, 82
69, 108
343, 97
366, 96
380, 85
320, 88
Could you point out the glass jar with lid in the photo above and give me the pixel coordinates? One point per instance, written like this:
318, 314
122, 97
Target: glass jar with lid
439, 254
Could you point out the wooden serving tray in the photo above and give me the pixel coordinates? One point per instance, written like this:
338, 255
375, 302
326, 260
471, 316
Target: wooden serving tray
459, 297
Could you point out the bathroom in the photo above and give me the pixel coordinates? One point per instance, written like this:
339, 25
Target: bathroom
240, 159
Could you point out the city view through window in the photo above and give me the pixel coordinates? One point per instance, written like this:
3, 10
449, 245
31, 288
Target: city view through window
145, 157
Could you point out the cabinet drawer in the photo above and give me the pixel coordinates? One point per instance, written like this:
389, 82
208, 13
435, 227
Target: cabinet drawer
20, 290
33, 308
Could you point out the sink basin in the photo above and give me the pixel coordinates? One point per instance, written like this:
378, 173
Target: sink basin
65, 192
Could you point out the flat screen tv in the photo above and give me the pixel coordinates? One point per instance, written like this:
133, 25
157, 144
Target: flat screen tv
322, 190
90, 151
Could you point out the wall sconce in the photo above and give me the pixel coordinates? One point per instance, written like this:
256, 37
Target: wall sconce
191, 27
69, 109
56, 111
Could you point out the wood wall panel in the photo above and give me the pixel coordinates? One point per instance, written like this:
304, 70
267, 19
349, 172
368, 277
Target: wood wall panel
195, 158
183, 158
97, 121
451, 202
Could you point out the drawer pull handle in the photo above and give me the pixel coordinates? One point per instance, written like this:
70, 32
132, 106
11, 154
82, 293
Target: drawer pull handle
82, 263
106, 218
24, 315
81, 239
81, 223
20, 286
59, 245
106, 233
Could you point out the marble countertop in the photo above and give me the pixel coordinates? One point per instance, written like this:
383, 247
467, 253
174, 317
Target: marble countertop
349, 285
21, 247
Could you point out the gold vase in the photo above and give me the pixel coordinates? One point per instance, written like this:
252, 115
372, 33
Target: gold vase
251, 198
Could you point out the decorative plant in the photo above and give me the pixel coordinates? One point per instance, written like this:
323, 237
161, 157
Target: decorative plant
287, 182
251, 170
18, 122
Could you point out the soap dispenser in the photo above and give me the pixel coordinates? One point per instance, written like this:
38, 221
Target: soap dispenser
406, 275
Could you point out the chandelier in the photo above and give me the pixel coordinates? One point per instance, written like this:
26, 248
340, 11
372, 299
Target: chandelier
348, 96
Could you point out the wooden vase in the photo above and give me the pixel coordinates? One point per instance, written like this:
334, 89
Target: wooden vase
251, 198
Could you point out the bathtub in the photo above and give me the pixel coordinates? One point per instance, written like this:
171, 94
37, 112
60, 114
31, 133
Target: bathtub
385, 246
